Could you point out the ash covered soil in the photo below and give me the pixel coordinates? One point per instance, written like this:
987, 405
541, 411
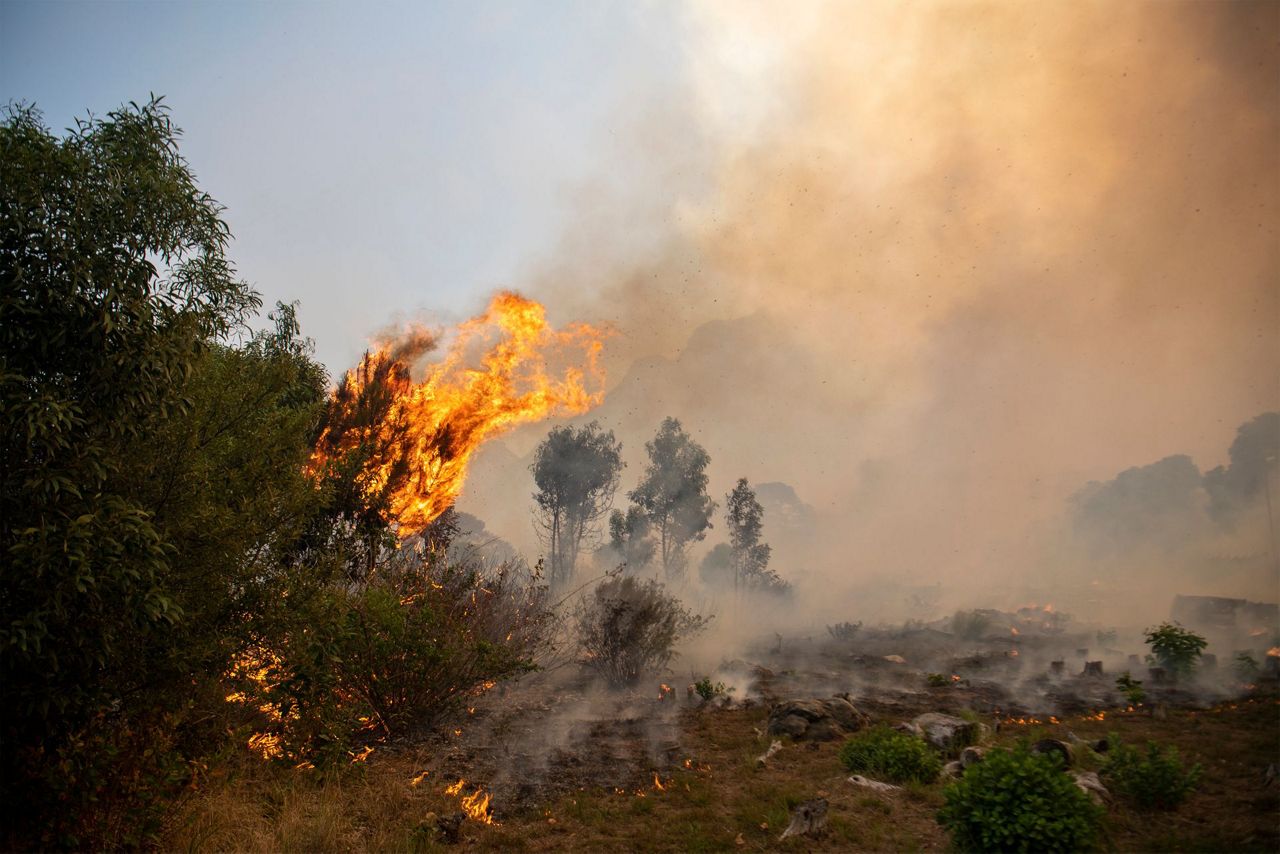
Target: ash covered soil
555, 762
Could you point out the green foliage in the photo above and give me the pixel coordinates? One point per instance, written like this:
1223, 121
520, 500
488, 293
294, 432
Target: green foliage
673, 494
1019, 801
1131, 688
707, 690
576, 472
399, 651
886, 754
1174, 648
937, 680
150, 472
628, 628
1154, 779
969, 625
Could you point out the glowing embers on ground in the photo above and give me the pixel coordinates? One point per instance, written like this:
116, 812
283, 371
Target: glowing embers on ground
476, 805
411, 440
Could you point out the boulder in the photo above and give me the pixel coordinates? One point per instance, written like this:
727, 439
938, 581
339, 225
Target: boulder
946, 732
953, 770
971, 756
874, 785
815, 720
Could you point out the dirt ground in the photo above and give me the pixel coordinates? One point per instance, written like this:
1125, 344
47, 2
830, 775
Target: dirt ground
566, 766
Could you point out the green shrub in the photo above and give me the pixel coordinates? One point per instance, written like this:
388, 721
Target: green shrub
937, 680
707, 689
887, 754
1152, 779
1019, 801
1131, 688
1174, 648
628, 628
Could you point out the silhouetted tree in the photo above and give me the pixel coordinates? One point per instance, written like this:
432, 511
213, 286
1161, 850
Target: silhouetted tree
744, 519
576, 472
673, 494
631, 538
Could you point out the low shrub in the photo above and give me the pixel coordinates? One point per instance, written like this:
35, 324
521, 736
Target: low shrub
1153, 779
628, 628
707, 689
886, 754
1131, 688
1019, 801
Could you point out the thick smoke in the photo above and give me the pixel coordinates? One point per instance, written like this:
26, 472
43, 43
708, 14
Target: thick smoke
937, 267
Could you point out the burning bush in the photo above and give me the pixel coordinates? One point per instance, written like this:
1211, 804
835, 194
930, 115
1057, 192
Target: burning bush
1152, 779
886, 754
405, 648
1019, 801
628, 628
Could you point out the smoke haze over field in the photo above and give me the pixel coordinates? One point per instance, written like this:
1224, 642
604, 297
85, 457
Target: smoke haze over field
937, 267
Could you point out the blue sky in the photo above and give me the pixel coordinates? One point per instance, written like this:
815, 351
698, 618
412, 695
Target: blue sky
378, 161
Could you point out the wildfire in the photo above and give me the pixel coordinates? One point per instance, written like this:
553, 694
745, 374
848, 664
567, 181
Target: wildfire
1013, 630
475, 805
664, 690
657, 783
1274, 652
417, 438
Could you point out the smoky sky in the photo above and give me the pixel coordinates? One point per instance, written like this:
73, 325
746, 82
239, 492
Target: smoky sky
939, 265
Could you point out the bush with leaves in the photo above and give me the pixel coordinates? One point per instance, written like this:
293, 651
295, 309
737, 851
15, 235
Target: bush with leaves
1174, 648
1131, 688
1154, 778
1019, 801
628, 628
399, 651
886, 754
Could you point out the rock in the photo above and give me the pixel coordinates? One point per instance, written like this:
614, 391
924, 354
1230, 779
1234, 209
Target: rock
808, 819
953, 770
1100, 746
971, 756
895, 659
1090, 784
816, 720
909, 728
945, 732
874, 785
1054, 747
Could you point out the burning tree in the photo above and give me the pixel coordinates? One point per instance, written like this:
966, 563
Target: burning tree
673, 494
576, 472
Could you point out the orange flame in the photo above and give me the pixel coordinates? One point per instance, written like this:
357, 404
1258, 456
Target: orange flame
657, 783
496, 374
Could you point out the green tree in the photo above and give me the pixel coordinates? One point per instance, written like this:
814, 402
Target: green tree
150, 473
576, 472
673, 494
1174, 648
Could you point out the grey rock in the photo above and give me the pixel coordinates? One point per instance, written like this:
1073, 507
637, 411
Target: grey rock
815, 720
946, 732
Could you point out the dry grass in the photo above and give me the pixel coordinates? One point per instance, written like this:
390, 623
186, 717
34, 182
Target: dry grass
724, 803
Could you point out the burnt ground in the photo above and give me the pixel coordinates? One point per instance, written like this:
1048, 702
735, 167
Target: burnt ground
569, 766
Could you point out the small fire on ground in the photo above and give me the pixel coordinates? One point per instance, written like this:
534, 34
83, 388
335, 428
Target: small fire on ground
476, 805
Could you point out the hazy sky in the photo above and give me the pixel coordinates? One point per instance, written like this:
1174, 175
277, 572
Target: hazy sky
937, 265
378, 160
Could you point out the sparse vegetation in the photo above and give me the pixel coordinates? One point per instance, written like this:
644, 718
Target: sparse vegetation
708, 690
1131, 688
628, 628
1019, 801
1245, 667
1153, 779
886, 754
845, 631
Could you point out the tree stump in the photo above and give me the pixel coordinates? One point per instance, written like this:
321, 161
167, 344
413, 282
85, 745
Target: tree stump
808, 819
1093, 668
